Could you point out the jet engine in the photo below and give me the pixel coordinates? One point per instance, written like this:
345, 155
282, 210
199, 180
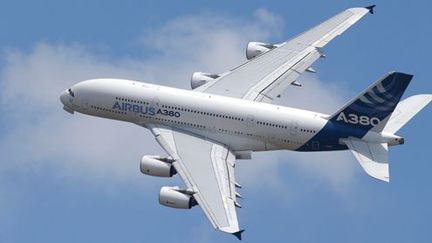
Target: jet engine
254, 49
200, 78
175, 197
157, 166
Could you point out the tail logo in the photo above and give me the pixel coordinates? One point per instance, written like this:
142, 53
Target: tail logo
358, 120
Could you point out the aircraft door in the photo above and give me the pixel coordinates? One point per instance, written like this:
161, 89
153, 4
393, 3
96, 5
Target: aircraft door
250, 121
315, 145
85, 104
293, 129
155, 102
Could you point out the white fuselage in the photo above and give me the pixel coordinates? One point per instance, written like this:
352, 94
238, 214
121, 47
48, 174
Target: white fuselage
242, 125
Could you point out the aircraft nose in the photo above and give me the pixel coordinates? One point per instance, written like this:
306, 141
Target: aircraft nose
65, 100
63, 97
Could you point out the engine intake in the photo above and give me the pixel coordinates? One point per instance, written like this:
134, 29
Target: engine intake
157, 166
200, 78
254, 49
175, 197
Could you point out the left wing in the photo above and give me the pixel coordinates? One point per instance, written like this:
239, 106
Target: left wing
207, 169
266, 76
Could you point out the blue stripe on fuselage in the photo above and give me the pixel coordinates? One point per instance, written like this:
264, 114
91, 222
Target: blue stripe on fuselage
327, 139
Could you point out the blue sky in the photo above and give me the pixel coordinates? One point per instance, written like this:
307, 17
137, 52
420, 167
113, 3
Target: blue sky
76, 178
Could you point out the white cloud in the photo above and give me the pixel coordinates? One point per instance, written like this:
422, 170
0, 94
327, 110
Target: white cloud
272, 21
39, 133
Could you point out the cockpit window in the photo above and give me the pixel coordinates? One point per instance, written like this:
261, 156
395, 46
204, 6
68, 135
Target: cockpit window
71, 92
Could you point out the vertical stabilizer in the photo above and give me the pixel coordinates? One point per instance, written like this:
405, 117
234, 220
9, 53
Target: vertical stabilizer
371, 107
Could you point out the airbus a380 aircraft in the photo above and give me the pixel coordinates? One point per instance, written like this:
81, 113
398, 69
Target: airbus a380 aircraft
228, 116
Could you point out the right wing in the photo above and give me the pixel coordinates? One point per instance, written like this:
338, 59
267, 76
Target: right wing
266, 76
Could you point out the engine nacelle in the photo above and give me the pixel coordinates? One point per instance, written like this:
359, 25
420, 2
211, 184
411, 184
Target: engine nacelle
157, 166
200, 78
174, 197
254, 49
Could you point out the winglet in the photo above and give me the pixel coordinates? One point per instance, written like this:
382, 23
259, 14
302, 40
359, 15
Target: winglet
238, 234
370, 8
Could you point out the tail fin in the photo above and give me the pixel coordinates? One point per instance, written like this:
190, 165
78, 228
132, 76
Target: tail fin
371, 107
406, 110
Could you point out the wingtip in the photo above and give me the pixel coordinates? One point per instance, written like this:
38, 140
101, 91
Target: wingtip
371, 8
238, 234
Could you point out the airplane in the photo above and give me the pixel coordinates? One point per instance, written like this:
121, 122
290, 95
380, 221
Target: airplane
225, 117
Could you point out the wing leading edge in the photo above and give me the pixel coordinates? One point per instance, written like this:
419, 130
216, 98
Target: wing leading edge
266, 76
207, 169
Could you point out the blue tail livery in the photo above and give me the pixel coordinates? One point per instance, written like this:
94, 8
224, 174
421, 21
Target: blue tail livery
372, 108
374, 104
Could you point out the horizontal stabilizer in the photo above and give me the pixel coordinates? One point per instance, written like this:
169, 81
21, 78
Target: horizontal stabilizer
373, 157
406, 110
